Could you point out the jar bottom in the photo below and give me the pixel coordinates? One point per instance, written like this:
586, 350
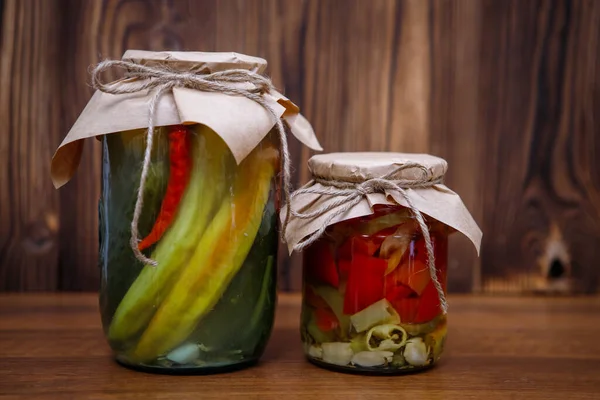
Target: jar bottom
190, 370
368, 371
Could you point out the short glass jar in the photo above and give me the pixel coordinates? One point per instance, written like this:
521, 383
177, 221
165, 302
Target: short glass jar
369, 303
209, 304
373, 228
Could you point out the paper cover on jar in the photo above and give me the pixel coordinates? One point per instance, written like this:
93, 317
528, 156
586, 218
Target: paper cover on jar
437, 201
240, 122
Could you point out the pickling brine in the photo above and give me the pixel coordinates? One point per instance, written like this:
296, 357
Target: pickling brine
369, 302
210, 225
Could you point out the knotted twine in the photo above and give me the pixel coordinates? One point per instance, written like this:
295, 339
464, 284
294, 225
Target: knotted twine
346, 195
161, 79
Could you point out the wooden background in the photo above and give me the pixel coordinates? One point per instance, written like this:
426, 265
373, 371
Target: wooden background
507, 91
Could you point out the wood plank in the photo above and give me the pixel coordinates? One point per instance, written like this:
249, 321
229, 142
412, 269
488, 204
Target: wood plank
538, 86
410, 117
51, 346
455, 135
78, 258
29, 117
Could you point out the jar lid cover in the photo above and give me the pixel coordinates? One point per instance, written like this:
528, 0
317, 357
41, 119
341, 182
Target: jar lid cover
339, 179
239, 121
358, 167
206, 62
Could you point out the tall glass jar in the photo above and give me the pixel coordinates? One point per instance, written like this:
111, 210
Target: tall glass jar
208, 305
369, 303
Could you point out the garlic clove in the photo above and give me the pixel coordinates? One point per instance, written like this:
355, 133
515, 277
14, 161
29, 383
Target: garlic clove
315, 352
184, 354
372, 358
416, 352
337, 353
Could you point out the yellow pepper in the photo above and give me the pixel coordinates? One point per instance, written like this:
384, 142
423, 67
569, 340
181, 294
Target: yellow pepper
202, 196
217, 258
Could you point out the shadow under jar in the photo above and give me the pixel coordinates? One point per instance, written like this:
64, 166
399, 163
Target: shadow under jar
209, 304
369, 302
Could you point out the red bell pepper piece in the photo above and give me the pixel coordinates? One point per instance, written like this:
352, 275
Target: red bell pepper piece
419, 253
441, 254
366, 246
398, 292
407, 308
326, 319
359, 244
320, 264
404, 299
429, 305
344, 252
365, 282
412, 273
356, 244
344, 268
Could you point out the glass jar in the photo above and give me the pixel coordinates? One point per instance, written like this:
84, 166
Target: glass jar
369, 304
211, 227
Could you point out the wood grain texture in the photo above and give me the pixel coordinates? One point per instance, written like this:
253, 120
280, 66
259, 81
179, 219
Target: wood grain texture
539, 95
30, 124
455, 133
506, 91
51, 347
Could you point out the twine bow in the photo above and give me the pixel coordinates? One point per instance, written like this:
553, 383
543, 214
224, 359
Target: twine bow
348, 194
161, 79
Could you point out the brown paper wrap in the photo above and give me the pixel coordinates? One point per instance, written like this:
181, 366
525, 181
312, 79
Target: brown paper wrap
438, 201
240, 122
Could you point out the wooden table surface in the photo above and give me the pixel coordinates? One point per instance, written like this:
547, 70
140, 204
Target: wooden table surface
52, 346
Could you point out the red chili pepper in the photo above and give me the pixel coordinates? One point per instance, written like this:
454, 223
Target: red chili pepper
365, 282
179, 174
320, 265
